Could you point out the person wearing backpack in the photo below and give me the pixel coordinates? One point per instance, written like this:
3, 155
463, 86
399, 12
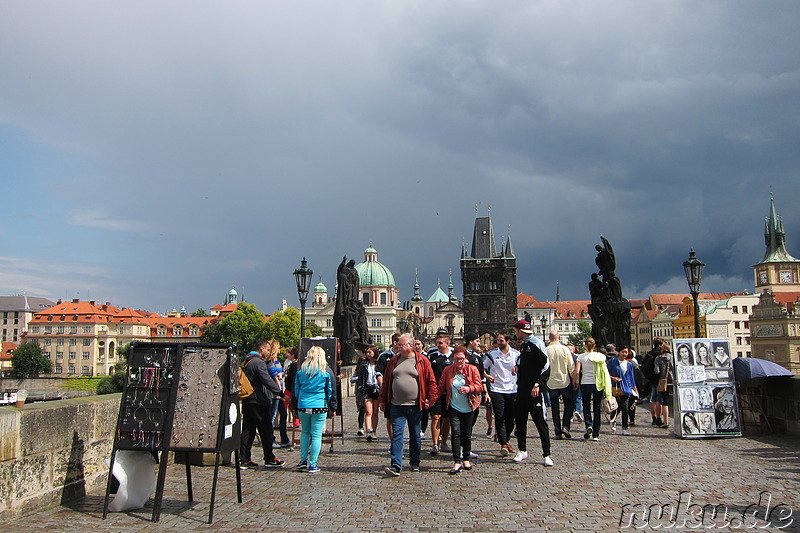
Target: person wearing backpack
650, 374
256, 409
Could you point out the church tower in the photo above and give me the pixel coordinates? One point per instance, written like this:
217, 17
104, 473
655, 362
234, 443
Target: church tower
777, 271
490, 282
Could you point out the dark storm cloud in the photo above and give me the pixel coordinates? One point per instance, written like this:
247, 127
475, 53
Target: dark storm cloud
204, 146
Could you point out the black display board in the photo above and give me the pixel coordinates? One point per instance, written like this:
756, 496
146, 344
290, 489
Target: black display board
179, 397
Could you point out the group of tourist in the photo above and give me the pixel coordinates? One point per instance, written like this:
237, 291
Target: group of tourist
443, 389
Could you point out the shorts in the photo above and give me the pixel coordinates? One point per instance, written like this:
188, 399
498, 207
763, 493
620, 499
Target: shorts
373, 394
437, 409
657, 396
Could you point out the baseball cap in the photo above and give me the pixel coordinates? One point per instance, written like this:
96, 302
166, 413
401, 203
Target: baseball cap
523, 325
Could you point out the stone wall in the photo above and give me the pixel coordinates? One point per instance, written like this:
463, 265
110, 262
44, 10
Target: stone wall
54, 452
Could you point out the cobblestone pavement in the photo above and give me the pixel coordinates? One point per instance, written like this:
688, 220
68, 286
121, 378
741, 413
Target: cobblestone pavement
585, 491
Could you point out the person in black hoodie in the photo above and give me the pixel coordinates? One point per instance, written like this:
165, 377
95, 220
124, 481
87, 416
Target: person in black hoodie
256, 409
533, 371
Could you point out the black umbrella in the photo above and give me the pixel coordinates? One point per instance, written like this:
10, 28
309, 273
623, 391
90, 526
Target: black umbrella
747, 368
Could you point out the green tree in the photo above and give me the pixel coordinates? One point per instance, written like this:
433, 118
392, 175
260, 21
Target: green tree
584, 332
116, 381
284, 326
29, 360
200, 312
243, 327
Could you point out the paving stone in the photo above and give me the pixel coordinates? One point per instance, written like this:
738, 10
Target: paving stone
585, 490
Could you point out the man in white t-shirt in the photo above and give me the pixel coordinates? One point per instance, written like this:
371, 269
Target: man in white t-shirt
501, 372
559, 385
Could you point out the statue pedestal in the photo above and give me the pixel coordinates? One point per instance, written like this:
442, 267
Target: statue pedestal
611, 322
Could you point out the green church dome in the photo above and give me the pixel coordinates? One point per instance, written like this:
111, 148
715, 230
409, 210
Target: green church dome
372, 273
320, 287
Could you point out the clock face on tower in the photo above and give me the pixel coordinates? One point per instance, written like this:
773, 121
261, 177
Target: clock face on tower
786, 276
762, 278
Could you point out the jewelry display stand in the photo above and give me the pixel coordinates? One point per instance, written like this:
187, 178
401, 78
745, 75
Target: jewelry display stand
179, 397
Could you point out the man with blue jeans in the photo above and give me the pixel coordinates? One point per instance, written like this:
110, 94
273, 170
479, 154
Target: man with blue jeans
409, 386
559, 385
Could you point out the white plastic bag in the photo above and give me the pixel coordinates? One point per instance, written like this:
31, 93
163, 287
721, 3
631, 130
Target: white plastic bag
137, 479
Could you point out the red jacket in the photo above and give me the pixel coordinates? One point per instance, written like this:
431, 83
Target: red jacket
473, 379
428, 391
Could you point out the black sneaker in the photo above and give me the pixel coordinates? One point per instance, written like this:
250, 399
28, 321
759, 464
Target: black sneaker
248, 465
275, 463
302, 465
393, 470
414, 468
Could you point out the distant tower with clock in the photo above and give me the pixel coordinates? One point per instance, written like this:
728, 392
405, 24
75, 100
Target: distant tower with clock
775, 320
777, 271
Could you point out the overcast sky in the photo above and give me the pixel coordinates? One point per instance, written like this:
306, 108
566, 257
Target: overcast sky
155, 154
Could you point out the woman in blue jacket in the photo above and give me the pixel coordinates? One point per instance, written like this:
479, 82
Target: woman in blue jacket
315, 394
623, 380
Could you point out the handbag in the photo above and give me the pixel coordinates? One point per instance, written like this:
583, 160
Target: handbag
617, 392
608, 405
662, 383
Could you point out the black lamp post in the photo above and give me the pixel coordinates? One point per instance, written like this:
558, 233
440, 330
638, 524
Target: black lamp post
402, 324
694, 276
543, 320
303, 278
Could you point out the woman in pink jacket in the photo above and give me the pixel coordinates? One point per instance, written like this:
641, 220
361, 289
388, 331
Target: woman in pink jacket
461, 386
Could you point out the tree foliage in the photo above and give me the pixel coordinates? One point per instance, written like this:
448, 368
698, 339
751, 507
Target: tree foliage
29, 360
116, 381
243, 327
584, 332
200, 312
284, 326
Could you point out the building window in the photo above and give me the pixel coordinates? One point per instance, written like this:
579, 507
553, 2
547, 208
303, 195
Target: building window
329, 322
72, 355
73, 342
735, 308
378, 339
377, 322
748, 354
85, 355
193, 331
365, 298
738, 341
59, 355
59, 342
34, 329
177, 331
84, 370
73, 329
162, 330
122, 330
87, 342
744, 309
87, 329
746, 324
59, 369
47, 342
48, 329
383, 298
737, 324
71, 369
47, 354
59, 329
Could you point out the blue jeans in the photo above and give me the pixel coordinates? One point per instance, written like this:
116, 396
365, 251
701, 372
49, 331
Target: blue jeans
400, 416
311, 436
569, 404
591, 407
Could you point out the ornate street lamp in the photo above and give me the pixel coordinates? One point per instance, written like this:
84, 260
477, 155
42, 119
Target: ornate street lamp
694, 276
543, 320
303, 278
402, 324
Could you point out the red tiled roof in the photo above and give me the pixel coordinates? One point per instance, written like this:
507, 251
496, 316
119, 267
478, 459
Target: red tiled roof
8, 347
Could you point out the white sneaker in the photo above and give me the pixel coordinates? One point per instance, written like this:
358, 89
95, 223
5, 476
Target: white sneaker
548, 461
521, 456
613, 426
626, 432
473, 455
360, 432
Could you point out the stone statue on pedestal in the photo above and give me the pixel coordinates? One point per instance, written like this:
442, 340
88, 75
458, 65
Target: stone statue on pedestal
610, 312
349, 315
